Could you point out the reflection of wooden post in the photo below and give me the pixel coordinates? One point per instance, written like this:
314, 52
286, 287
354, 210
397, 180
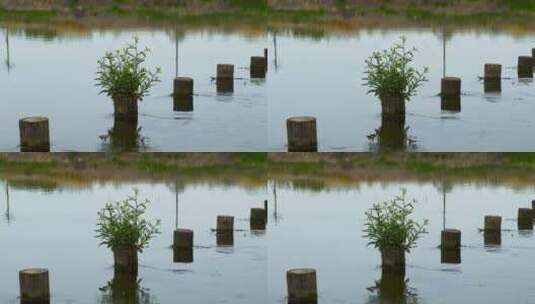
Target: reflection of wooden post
34, 134
302, 286
34, 285
302, 134
266, 58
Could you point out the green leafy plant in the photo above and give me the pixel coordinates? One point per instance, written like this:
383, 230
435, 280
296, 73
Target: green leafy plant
388, 224
122, 223
122, 74
389, 72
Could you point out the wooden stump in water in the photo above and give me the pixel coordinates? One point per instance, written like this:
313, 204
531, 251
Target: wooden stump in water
302, 286
34, 285
450, 86
225, 71
225, 223
492, 230
393, 108
525, 67
533, 204
257, 67
450, 246
393, 260
493, 71
183, 238
451, 239
183, 86
302, 134
34, 134
493, 223
258, 219
126, 108
126, 261
525, 219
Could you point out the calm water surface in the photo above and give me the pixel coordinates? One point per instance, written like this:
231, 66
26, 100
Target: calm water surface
55, 229
322, 75
316, 227
53, 75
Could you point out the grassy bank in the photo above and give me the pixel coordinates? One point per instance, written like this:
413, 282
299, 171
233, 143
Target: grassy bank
341, 13
259, 167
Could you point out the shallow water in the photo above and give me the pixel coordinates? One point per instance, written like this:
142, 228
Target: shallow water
309, 226
322, 75
53, 75
323, 230
55, 229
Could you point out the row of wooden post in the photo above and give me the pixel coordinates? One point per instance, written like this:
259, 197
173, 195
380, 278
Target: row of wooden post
183, 86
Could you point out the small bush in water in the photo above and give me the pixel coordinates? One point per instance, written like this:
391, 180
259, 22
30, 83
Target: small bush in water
123, 223
388, 224
122, 74
389, 72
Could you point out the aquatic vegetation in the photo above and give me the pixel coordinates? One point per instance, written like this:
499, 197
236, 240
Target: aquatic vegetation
388, 224
122, 76
389, 72
123, 223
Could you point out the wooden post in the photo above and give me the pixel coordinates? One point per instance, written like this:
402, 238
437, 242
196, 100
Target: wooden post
302, 134
525, 67
450, 86
525, 219
266, 209
266, 58
34, 285
393, 260
258, 219
225, 223
225, 71
492, 234
125, 258
183, 238
183, 86
34, 134
493, 71
493, 223
451, 239
533, 204
257, 67
225, 78
302, 286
